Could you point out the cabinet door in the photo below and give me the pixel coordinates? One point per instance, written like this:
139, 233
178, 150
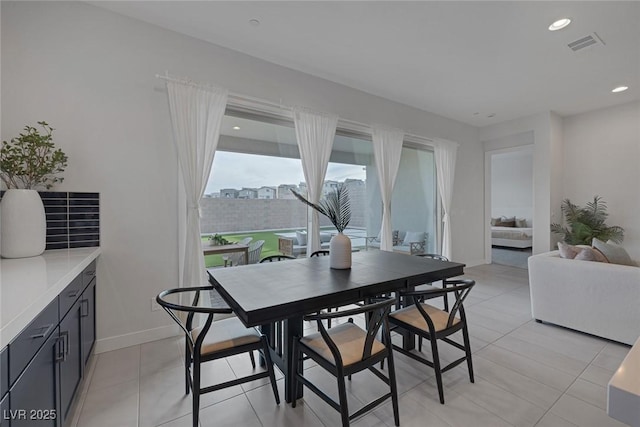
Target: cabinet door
5, 415
88, 313
34, 396
71, 366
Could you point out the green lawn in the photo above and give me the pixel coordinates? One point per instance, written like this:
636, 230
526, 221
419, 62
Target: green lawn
270, 246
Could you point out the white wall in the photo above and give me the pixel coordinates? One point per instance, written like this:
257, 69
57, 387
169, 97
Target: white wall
602, 157
512, 184
90, 74
547, 162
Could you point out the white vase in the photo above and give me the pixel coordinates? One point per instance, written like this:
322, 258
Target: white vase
23, 225
340, 252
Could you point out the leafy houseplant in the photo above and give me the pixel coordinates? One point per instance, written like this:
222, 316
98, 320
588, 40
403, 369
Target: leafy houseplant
336, 206
28, 161
31, 160
217, 240
585, 223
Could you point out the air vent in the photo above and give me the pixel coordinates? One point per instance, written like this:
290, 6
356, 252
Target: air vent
591, 40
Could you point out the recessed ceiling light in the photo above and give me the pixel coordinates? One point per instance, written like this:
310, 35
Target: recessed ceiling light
236, 128
559, 24
254, 22
620, 89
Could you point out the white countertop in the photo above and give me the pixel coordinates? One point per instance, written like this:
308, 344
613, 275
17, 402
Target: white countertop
28, 285
623, 392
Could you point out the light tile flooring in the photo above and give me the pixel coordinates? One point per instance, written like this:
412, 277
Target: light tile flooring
527, 374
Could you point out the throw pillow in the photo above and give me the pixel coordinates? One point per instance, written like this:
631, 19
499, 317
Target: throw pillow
567, 251
413, 237
325, 237
615, 254
302, 238
590, 254
521, 223
507, 222
495, 221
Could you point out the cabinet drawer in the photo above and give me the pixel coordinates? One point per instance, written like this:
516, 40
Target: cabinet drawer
88, 274
4, 372
70, 295
24, 346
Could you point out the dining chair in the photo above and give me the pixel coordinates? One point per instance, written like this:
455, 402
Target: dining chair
214, 340
276, 334
445, 298
275, 258
434, 324
345, 350
323, 252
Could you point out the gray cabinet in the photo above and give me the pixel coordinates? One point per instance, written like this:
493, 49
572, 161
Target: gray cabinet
88, 315
34, 395
72, 363
44, 365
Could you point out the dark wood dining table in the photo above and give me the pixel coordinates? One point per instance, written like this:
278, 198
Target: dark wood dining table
262, 294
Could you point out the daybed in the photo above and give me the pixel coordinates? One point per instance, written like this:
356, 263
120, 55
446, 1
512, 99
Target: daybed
511, 233
410, 242
295, 243
593, 297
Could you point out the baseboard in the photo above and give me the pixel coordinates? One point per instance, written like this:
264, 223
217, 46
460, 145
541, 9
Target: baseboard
135, 338
475, 263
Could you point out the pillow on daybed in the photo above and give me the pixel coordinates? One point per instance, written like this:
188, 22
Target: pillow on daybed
506, 222
615, 254
521, 223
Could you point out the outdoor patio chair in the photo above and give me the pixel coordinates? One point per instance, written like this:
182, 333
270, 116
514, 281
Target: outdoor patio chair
236, 258
255, 249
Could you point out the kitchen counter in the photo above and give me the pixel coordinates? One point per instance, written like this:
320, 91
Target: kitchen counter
28, 285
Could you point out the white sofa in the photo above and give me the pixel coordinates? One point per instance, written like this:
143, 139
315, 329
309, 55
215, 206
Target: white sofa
598, 298
290, 244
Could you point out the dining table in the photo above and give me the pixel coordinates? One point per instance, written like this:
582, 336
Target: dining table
281, 293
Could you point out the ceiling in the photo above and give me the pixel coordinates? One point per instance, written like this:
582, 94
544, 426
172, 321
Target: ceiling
477, 62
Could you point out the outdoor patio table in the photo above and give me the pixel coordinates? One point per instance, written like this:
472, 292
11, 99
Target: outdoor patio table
225, 249
262, 294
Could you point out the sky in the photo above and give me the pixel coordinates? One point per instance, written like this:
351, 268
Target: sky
237, 170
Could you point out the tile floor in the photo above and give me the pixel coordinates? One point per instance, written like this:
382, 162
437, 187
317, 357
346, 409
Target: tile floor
527, 374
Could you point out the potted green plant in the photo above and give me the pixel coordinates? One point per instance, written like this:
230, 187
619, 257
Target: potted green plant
585, 223
29, 161
336, 206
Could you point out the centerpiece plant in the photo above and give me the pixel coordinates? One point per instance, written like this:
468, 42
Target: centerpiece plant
336, 206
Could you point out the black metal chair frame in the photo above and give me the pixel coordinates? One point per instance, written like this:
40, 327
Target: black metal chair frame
274, 258
377, 315
322, 252
193, 348
460, 289
437, 257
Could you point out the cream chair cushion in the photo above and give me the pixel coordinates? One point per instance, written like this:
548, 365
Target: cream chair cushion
349, 339
225, 334
411, 316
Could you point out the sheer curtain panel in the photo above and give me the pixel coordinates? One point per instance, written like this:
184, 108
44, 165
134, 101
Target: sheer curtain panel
196, 117
387, 149
315, 133
445, 155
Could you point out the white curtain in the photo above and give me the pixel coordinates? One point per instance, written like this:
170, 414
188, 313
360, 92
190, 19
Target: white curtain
196, 117
315, 133
445, 154
387, 149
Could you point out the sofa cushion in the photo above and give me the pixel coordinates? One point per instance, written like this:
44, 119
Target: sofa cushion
615, 254
325, 237
580, 252
301, 238
413, 237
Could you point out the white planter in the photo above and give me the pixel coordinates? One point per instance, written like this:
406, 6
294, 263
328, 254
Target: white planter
340, 252
23, 226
